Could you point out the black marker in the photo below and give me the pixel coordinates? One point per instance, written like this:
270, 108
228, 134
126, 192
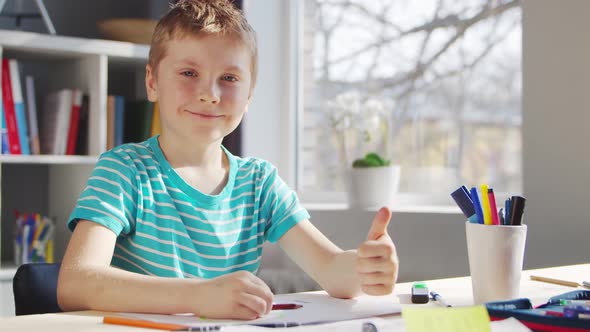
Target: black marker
516, 210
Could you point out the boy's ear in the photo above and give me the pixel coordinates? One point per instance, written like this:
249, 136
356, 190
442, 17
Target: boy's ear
150, 84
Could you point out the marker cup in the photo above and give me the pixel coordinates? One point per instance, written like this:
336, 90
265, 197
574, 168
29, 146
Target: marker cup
496, 255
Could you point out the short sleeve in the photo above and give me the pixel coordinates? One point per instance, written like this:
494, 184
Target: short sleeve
279, 205
110, 196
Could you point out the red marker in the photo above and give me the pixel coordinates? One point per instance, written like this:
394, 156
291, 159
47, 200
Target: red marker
286, 306
493, 208
552, 313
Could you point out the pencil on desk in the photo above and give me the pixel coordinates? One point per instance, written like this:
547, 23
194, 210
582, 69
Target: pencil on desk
142, 323
556, 281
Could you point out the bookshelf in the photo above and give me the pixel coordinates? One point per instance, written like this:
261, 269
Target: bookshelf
51, 183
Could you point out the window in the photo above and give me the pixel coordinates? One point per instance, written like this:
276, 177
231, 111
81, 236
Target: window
446, 74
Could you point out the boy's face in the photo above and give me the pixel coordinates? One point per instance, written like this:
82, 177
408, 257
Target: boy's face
202, 85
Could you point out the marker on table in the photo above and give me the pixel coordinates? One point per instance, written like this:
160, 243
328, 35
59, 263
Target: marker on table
551, 313
575, 302
517, 209
493, 208
436, 296
286, 306
485, 205
476, 205
507, 211
501, 216
463, 200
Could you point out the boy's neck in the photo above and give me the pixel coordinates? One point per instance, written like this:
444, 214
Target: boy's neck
208, 156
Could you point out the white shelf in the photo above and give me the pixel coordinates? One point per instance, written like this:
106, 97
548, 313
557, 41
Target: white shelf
63, 46
48, 159
7, 272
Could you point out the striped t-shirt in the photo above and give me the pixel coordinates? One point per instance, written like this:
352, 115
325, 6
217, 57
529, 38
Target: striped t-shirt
167, 228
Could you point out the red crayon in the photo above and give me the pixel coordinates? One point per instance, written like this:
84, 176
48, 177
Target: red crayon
286, 306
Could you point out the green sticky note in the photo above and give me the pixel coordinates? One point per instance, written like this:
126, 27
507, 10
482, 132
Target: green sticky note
456, 319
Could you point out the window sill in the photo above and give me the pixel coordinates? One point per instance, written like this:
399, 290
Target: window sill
403, 202
404, 208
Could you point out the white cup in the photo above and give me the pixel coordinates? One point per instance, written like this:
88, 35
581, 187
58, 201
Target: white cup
496, 255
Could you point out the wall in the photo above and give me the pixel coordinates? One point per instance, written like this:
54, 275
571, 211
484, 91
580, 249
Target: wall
556, 105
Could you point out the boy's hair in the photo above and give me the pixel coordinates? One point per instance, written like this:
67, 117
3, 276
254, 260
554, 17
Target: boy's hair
201, 17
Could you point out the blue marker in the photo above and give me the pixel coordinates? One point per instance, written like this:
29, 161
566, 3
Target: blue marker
507, 212
477, 205
463, 200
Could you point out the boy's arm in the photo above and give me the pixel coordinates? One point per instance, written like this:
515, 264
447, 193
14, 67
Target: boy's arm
87, 281
371, 269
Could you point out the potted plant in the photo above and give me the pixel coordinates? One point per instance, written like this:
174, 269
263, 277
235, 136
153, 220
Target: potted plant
373, 182
362, 127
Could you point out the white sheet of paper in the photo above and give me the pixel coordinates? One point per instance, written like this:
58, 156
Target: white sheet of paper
345, 326
316, 307
397, 325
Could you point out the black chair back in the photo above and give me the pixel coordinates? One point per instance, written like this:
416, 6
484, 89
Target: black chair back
35, 289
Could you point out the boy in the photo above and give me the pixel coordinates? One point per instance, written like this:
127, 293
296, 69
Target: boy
177, 223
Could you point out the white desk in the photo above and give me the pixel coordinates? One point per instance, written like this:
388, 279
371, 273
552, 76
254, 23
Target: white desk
456, 291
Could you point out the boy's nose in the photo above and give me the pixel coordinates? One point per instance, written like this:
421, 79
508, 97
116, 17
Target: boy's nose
210, 98
209, 94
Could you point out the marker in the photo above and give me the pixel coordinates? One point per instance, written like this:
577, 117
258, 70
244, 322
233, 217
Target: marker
485, 205
507, 211
582, 303
586, 284
436, 296
476, 205
517, 206
551, 313
463, 200
286, 306
501, 216
419, 293
493, 208
577, 311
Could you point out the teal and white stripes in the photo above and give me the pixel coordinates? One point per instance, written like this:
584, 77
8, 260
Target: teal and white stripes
167, 228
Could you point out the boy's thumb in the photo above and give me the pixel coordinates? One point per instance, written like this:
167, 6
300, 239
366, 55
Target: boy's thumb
380, 222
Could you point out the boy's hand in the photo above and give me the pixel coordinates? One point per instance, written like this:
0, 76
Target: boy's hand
377, 262
237, 295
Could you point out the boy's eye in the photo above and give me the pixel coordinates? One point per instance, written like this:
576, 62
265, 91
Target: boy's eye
229, 78
188, 73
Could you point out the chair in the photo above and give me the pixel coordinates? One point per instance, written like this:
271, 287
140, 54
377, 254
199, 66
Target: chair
35, 289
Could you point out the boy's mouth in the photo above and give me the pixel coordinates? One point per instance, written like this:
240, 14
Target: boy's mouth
204, 115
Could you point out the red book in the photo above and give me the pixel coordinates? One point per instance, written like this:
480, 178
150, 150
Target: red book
9, 112
74, 122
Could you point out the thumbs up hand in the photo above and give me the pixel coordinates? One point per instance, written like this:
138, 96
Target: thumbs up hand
377, 262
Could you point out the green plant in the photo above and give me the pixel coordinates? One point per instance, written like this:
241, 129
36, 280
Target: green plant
372, 159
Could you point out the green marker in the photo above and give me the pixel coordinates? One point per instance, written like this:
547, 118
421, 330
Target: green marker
419, 292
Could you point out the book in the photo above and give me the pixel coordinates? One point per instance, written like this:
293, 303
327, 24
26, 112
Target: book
3, 133
55, 118
119, 119
110, 122
138, 121
4, 149
74, 122
32, 115
9, 113
82, 139
19, 107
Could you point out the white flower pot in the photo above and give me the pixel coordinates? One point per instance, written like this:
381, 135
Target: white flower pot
373, 187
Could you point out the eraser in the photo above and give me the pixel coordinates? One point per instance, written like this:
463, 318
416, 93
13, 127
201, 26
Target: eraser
419, 293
